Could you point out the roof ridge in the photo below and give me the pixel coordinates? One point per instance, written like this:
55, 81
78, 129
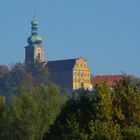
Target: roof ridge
63, 59
108, 75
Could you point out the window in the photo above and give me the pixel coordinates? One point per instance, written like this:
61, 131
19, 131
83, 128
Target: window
38, 56
82, 74
82, 85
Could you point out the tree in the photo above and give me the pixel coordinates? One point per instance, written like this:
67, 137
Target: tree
39, 71
30, 113
102, 102
3, 117
33, 106
86, 117
26, 116
10, 79
126, 104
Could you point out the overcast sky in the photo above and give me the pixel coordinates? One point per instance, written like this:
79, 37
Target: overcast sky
104, 32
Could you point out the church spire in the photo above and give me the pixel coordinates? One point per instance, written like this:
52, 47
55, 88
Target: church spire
34, 28
34, 38
34, 51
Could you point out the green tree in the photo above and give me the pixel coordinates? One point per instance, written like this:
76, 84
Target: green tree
87, 116
3, 122
11, 78
27, 114
102, 102
126, 104
39, 71
30, 113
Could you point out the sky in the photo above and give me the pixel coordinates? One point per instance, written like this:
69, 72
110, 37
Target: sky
104, 32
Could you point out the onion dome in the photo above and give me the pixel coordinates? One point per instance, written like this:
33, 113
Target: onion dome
34, 23
34, 38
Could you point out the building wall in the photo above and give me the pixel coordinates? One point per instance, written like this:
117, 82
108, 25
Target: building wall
39, 53
29, 54
81, 75
62, 78
33, 53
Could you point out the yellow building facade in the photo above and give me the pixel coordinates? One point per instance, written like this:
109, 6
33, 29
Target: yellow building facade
81, 74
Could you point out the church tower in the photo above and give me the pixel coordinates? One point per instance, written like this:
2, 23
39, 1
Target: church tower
34, 51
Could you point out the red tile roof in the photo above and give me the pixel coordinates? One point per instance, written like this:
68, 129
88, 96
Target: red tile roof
110, 79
